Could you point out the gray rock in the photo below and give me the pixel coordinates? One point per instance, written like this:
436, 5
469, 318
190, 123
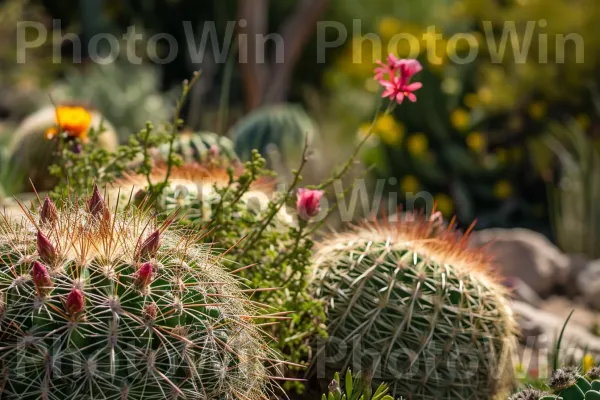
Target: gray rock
588, 284
526, 255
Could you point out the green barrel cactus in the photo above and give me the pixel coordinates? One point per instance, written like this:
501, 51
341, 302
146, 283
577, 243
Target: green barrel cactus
412, 303
35, 144
96, 304
278, 132
202, 147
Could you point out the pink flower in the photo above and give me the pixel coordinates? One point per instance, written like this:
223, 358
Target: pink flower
45, 249
395, 77
144, 275
308, 203
48, 212
41, 278
150, 246
75, 302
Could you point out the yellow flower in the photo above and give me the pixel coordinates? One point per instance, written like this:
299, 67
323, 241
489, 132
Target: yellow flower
417, 143
471, 100
444, 204
410, 184
460, 119
390, 131
537, 110
74, 121
388, 27
486, 95
588, 362
502, 189
476, 141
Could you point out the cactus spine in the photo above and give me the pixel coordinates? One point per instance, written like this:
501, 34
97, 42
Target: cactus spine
96, 304
202, 147
411, 303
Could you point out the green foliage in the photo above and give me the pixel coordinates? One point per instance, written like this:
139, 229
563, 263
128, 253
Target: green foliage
98, 304
357, 387
409, 302
574, 199
279, 133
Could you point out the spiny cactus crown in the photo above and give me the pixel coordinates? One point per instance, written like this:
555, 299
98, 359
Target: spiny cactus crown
528, 394
418, 307
562, 378
96, 304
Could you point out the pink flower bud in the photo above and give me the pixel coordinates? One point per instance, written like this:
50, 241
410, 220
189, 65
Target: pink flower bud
150, 246
75, 302
41, 278
48, 212
45, 249
144, 275
96, 205
308, 203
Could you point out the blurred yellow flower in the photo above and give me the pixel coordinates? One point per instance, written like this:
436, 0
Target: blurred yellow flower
485, 95
502, 189
417, 143
471, 100
444, 204
588, 362
389, 130
388, 27
476, 141
537, 110
460, 119
409, 184
74, 121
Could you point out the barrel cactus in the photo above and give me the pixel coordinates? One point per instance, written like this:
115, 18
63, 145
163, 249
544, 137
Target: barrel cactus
202, 147
100, 304
412, 303
35, 142
278, 132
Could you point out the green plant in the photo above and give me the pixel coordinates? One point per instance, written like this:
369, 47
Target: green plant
414, 304
566, 384
100, 304
574, 214
357, 387
278, 133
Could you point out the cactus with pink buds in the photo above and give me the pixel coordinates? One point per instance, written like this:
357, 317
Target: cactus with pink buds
96, 304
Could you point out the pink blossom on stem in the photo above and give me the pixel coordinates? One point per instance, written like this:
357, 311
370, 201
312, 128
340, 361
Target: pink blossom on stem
144, 275
396, 76
45, 249
308, 203
41, 278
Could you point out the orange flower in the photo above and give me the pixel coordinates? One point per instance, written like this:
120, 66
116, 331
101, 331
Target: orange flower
74, 121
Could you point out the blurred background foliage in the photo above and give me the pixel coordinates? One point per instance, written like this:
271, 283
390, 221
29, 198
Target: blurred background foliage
484, 138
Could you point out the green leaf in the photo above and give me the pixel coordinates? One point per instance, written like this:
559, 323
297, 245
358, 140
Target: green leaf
349, 384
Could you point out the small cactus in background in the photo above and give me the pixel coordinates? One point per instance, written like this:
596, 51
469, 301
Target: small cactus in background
36, 141
415, 305
96, 304
279, 133
357, 387
203, 148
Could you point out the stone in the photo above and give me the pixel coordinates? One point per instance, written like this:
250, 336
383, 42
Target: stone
526, 255
588, 284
